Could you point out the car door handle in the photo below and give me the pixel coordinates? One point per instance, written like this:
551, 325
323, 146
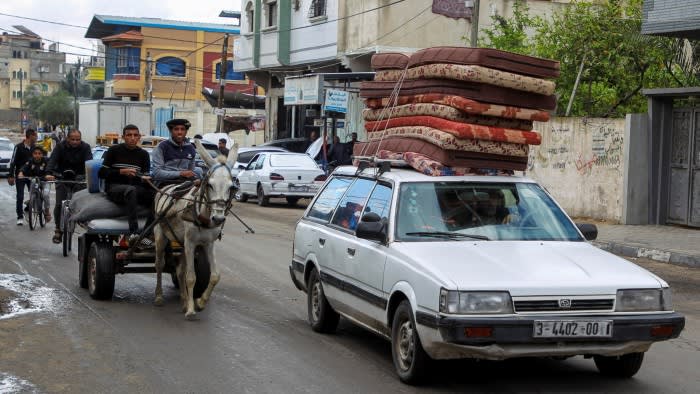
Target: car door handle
322, 241
351, 251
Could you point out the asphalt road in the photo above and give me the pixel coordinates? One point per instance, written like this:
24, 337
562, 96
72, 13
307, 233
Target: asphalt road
253, 336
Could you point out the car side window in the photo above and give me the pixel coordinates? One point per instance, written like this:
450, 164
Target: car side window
380, 201
348, 213
251, 165
327, 200
259, 162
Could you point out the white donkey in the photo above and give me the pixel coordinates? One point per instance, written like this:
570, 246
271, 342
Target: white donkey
195, 219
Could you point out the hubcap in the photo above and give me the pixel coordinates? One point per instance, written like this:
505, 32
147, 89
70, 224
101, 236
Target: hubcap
316, 300
405, 345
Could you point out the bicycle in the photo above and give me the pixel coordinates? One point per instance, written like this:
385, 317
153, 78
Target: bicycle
67, 228
35, 206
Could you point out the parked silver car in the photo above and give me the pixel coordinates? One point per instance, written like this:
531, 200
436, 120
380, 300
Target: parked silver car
279, 174
245, 154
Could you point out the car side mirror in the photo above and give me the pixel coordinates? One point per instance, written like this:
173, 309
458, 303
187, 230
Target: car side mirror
241, 167
589, 231
371, 227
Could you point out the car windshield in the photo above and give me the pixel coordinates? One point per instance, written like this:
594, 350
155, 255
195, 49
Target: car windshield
6, 146
465, 211
300, 161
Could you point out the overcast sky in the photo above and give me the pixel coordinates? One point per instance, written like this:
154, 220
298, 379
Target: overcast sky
80, 13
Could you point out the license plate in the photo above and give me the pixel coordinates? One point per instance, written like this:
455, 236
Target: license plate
293, 188
572, 328
4, 166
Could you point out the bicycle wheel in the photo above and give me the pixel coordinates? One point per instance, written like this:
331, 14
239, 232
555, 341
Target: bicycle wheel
39, 210
30, 212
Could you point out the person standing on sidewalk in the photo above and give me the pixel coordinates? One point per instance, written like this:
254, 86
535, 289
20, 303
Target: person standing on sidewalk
70, 155
21, 155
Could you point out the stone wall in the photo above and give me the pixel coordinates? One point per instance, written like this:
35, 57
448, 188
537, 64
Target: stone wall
581, 163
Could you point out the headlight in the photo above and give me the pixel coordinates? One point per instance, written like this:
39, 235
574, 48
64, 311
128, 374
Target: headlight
475, 302
647, 300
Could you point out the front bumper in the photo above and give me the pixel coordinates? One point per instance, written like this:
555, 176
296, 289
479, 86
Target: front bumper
446, 337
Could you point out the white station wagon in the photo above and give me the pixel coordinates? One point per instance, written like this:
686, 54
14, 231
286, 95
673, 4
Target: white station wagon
486, 267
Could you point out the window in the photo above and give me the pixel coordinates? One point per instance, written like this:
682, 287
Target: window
271, 13
44, 87
170, 66
250, 16
348, 213
325, 204
128, 60
14, 75
380, 201
231, 75
14, 94
318, 8
259, 163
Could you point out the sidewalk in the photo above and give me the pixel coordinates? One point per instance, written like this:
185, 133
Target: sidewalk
678, 245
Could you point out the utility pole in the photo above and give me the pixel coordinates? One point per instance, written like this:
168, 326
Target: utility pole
76, 72
223, 66
21, 100
149, 77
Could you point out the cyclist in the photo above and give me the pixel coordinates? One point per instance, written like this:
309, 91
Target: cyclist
36, 167
21, 155
68, 157
123, 169
173, 159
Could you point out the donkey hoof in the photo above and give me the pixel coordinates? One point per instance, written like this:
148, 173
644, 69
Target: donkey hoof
200, 304
158, 301
190, 316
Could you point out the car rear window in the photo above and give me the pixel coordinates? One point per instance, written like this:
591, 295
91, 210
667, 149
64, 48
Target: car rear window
302, 161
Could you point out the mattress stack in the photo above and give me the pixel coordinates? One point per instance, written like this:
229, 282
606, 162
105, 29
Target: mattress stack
456, 110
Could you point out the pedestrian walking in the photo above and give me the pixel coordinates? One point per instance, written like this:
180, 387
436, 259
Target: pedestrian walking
20, 156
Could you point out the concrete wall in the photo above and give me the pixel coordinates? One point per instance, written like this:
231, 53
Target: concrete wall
581, 163
635, 196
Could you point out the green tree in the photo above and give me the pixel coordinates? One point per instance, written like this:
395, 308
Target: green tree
603, 40
54, 108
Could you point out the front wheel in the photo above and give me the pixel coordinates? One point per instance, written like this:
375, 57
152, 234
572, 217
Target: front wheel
101, 271
32, 214
322, 317
624, 366
410, 360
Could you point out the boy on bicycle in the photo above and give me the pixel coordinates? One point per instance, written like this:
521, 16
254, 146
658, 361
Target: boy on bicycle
36, 167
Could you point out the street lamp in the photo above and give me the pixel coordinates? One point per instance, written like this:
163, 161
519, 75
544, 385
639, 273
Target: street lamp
21, 100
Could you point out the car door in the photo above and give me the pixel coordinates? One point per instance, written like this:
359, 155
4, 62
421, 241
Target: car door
245, 177
364, 260
324, 240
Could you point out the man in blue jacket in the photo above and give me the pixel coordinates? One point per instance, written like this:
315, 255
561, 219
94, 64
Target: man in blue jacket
173, 160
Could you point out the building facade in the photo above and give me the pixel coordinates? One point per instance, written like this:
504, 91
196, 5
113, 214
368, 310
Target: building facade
172, 64
289, 38
26, 65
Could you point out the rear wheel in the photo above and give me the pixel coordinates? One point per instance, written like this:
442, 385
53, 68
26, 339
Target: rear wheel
410, 360
263, 201
101, 271
624, 366
322, 317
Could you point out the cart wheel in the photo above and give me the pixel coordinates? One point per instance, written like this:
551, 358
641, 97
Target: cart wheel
82, 263
65, 239
203, 271
176, 283
101, 271
40, 213
65, 229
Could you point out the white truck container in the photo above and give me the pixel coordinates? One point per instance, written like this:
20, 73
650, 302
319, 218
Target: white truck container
101, 117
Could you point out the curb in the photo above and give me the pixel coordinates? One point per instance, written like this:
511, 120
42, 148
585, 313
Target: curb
663, 256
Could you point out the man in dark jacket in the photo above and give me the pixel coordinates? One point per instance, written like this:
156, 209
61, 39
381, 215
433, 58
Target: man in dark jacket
21, 155
124, 168
68, 156
173, 159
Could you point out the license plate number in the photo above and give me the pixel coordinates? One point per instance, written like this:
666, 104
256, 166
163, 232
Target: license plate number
294, 188
572, 328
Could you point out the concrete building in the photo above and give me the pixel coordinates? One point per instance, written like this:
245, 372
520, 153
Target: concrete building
289, 38
171, 64
25, 64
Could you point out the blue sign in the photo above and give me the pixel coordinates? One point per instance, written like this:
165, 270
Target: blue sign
25, 123
336, 101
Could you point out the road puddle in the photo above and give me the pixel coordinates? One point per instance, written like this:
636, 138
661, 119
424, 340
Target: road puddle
22, 294
10, 384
